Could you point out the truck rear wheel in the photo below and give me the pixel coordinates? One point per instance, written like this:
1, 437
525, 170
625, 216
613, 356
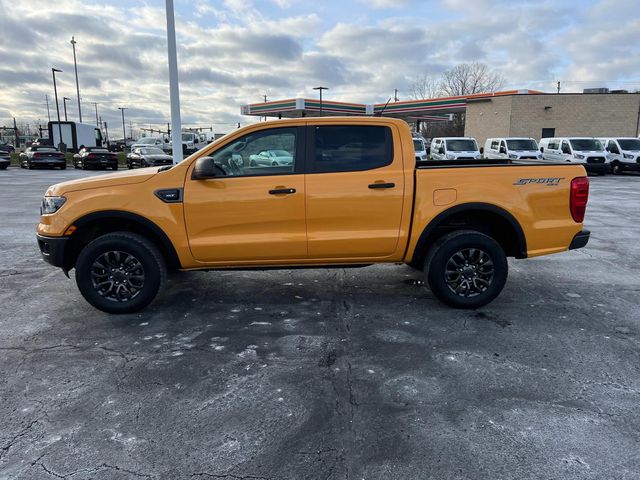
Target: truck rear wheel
120, 272
466, 269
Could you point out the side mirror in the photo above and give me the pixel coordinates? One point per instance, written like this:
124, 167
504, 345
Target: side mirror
481, 150
206, 168
502, 150
541, 149
441, 150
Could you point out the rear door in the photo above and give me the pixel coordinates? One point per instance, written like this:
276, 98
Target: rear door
354, 191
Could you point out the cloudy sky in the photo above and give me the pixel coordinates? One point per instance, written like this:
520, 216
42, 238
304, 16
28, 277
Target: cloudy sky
232, 52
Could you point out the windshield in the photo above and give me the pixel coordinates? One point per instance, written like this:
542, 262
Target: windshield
99, 150
629, 144
147, 141
462, 145
522, 144
187, 137
151, 151
44, 149
418, 144
281, 153
586, 144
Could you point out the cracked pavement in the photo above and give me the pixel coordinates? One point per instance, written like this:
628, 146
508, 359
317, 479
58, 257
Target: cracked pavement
325, 374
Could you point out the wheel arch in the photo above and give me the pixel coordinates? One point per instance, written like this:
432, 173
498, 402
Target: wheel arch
483, 217
93, 225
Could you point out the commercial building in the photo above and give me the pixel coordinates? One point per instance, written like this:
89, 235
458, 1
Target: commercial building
514, 113
548, 115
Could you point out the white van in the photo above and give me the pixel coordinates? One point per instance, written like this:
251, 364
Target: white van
454, 148
420, 148
623, 154
511, 148
584, 150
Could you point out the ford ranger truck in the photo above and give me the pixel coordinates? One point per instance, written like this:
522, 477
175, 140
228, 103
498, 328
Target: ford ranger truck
352, 195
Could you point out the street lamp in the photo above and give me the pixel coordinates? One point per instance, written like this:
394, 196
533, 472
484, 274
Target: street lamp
75, 66
174, 92
124, 130
61, 144
64, 102
321, 89
96, 105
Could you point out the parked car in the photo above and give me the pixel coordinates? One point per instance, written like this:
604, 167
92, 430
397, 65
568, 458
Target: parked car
41, 142
334, 205
454, 148
586, 151
6, 147
42, 156
95, 157
271, 157
511, 148
623, 154
148, 157
157, 142
420, 148
5, 160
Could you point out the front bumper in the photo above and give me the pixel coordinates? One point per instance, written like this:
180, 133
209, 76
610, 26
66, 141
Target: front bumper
630, 166
580, 240
597, 167
52, 249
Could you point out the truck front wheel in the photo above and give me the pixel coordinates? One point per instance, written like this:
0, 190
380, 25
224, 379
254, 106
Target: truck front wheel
120, 272
466, 269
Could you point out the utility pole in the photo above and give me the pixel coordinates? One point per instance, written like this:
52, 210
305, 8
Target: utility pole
130, 130
321, 89
558, 86
46, 99
64, 102
75, 66
265, 101
95, 104
15, 131
395, 94
124, 131
174, 89
61, 145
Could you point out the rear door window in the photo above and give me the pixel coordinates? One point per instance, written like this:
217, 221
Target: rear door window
350, 148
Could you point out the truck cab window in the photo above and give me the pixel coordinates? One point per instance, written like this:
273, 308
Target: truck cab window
267, 152
346, 148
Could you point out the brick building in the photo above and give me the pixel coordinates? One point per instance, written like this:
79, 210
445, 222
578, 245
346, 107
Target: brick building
547, 115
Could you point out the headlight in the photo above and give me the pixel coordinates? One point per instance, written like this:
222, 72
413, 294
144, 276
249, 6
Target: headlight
539, 156
51, 205
626, 155
578, 156
513, 156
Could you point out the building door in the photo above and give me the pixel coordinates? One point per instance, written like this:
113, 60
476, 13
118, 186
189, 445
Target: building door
548, 133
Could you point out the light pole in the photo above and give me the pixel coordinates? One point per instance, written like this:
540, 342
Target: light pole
95, 104
75, 66
64, 103
61, 144
124, 130
174, 91
321, 89
46, 99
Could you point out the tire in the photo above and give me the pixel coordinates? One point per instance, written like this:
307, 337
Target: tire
143, 259
63, 167
29, 166
615, 168
481, 284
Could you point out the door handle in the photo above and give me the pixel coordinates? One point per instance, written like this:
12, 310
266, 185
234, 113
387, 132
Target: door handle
282, 191
382, 185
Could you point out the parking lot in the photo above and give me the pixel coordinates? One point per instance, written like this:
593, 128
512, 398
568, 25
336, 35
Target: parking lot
325, 374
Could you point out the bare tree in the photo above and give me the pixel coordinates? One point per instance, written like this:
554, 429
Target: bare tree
469, 78
425, 86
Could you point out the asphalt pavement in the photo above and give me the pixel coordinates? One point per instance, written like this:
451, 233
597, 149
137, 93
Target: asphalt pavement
325, 374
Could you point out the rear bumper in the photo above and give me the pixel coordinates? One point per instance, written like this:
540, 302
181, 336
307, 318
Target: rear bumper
52, 249
580, 239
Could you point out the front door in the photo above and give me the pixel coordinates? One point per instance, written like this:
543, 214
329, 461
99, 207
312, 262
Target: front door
355, 191
250, 213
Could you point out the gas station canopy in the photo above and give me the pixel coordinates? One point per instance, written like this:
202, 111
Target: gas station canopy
434, 109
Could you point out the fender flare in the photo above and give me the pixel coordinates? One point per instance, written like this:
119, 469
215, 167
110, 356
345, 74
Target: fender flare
166, 244
521, 245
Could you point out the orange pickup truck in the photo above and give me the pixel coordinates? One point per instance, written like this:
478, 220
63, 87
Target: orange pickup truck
311, 192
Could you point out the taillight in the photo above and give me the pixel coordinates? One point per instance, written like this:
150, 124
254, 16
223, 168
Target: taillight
37, 155
579, 197
91, 155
